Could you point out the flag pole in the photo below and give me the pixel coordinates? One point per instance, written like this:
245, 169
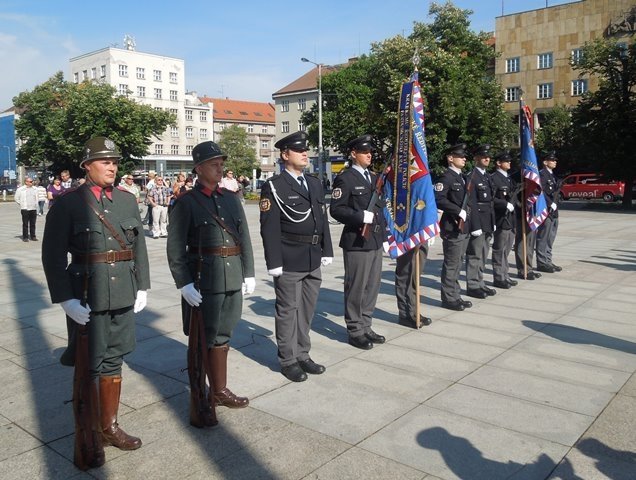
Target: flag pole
416, 62
523, 201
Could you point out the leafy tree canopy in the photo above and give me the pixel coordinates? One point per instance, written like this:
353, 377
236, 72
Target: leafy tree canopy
241, 156
463, 102
58, 117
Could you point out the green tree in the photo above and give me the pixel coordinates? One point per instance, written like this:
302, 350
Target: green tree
463, 102
241, 156
604, 121
58, 117
556, 134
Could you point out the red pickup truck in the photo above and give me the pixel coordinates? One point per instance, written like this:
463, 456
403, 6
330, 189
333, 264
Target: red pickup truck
590, 186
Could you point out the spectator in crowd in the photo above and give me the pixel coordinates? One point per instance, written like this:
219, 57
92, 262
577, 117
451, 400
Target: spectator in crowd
159, 199
27, 197
54, 190
42, 196
229, 182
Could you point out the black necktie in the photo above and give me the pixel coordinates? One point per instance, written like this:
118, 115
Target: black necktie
301, 180
367, 176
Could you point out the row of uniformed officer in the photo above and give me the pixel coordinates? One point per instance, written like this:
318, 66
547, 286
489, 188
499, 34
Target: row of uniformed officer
547, 232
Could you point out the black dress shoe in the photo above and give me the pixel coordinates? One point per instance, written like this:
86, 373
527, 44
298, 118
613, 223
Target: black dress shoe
409, 322
294, 373
536, 274
374, 337
545, 268
556, 268
309, 366
501, 284
466, 303
458, 305
34, 239
531, 276
25, 239
361, 342
512, 283
489, 291
479, 293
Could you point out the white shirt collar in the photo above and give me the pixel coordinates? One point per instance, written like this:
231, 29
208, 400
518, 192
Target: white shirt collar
455, 169
503, 172
357, 167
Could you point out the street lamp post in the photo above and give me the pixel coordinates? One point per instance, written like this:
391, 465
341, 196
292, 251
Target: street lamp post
320, 150
8, 160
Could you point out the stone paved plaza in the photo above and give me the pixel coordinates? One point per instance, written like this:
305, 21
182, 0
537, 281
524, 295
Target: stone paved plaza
536, 382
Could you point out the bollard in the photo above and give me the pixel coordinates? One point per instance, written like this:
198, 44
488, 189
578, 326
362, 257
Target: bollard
4, 195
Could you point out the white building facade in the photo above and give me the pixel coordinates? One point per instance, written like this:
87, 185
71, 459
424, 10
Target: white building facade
158, 81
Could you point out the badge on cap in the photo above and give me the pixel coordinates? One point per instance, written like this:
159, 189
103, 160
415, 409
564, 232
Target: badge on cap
439, 187
337, 193
109, 144
265, 205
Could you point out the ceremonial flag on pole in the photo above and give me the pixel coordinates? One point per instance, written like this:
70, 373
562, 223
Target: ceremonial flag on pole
536, 207
410, 209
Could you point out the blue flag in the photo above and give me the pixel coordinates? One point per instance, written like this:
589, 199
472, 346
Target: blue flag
536, 206
410, 209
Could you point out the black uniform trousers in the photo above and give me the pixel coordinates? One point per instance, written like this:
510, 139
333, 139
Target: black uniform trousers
296, 296
28, 223
546, 235
454, 246
363, 271
406, 281
501, 247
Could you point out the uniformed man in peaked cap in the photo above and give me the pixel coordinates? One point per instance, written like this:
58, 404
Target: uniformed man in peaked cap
449, 195
352, 192
504, 236
297, 242
482, 224
100, 227
547, 231
208, 223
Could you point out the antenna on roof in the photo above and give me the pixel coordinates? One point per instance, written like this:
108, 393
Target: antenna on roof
129, 42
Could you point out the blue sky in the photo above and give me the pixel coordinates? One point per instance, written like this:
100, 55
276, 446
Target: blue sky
242, 49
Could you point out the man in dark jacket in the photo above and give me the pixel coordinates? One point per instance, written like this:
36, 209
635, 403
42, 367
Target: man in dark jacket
547, 232
297, 243
350, 198
100, 227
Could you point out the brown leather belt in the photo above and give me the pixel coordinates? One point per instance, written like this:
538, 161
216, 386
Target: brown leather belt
111, 256
311, 239
216, 251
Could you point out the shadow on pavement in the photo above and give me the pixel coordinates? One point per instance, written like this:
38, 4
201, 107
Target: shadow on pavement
605, 459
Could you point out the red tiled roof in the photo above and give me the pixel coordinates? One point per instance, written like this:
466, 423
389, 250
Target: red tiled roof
241, 111
309, 81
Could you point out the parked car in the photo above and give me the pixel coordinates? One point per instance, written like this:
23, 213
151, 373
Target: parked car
10, 188
591, 186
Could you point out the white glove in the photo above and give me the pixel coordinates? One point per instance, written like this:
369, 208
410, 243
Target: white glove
368, 217
462, 215
326, 261
141, 301
191, 295
553, 207
476, 233
249, 284
494, 228
431, 241
510, 207
75, 310
275, 272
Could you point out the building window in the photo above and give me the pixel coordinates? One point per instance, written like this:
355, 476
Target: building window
157, 109
579, 87
141, 91
264, 160
264, 144
158, 149
544, 90
222, 126
158, 93
173, 77
76, 77
174, 132
156, 75
173, 95
174, 111
174, 149
93, 73
301, 126
123, 70
122, 89
284, 106
264, 129
512, 65
577, 56
188, 114
284, 127
84, 75
512, 94
188, 149
141, 73
250, 128
203, 116
189, 132
203, 133
102, 71
302, 104
544, 60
